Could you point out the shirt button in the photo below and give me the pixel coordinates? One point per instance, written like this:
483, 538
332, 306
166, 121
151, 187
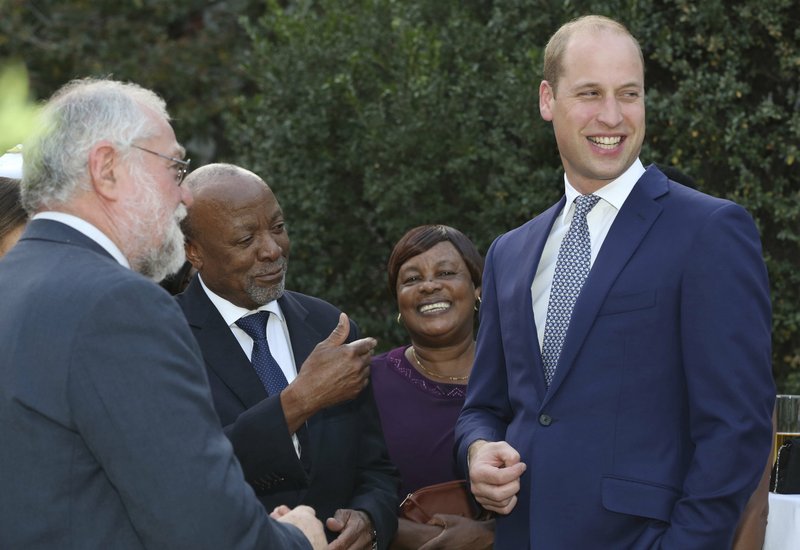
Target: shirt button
545, 419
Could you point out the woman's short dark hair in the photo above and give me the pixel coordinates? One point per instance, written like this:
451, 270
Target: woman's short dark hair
423, 238
12, 215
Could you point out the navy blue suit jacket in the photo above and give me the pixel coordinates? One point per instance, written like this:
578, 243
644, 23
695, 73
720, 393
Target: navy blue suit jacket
108, 437
349, 464
656, 427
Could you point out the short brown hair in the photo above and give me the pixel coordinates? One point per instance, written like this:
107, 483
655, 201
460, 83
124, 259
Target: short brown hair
557, 45
423, 238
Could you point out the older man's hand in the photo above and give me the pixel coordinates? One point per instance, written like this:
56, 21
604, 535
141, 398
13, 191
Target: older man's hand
304, 518
334, 372
354, 528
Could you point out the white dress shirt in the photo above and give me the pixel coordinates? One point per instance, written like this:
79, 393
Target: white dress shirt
81, 225
280, 344
612, 197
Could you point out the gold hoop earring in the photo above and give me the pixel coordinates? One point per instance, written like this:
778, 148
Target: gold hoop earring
400, 319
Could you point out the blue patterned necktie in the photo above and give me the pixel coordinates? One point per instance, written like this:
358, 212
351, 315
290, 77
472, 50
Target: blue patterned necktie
264, 363
572, 268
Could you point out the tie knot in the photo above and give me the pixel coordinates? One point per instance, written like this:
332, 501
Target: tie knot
584, 203
255, 325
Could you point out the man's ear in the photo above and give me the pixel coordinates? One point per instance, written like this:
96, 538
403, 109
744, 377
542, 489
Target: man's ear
193, 254
546, 97
104, 167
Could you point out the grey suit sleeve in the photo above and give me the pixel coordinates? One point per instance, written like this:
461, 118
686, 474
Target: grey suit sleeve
140, 399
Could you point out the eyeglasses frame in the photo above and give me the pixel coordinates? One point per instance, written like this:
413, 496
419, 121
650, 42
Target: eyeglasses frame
183, 165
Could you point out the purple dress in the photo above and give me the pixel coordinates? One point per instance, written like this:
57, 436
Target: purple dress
418, 417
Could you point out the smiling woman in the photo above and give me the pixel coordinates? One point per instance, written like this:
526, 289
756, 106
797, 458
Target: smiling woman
434, 272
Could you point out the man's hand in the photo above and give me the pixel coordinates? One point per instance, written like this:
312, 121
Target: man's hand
303, 518
334, 372
354, 528
494, 472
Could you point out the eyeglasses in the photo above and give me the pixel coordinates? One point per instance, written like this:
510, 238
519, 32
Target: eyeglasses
181, 166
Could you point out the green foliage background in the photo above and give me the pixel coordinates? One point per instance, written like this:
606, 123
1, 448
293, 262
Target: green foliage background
17, 112
369, 117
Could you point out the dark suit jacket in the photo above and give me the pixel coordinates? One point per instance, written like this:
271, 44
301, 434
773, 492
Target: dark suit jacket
349, 464
656, 427
108, 437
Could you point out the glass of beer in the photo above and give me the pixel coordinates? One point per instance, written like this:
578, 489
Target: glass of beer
787, 415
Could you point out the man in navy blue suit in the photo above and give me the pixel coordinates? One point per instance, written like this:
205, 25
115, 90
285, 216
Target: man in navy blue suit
314, 439
108, 436
622, 391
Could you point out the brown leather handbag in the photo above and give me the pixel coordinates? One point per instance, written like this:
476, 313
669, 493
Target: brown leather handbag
450, 497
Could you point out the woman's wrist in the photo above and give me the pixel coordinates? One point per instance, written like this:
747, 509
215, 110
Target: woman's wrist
411, 535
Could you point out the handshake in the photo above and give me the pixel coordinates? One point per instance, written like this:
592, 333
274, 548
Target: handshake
304, 518
354, 527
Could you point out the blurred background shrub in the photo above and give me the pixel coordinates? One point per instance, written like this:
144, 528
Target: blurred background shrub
368, 117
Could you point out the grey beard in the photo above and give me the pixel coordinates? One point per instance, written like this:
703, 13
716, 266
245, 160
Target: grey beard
261, 295
158, 263
142, 224
167, 259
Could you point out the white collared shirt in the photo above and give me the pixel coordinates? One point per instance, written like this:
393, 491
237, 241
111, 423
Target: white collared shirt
277, 333
81, 225
280, 344
612, 197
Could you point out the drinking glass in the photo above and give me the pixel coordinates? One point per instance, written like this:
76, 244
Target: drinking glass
787, 414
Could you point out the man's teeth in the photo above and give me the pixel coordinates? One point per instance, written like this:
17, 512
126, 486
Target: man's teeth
434, 307
606, 142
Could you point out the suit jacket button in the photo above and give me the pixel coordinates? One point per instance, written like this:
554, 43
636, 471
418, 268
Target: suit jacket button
545, 419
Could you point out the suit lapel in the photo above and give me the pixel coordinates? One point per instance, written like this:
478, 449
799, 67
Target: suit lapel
528, 256
221, 351
632, 223
303, 335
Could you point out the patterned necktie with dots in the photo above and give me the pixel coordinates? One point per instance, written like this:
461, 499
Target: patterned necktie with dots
572, 268
264, 363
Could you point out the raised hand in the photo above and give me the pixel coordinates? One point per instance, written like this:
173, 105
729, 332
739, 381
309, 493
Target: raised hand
334, 372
